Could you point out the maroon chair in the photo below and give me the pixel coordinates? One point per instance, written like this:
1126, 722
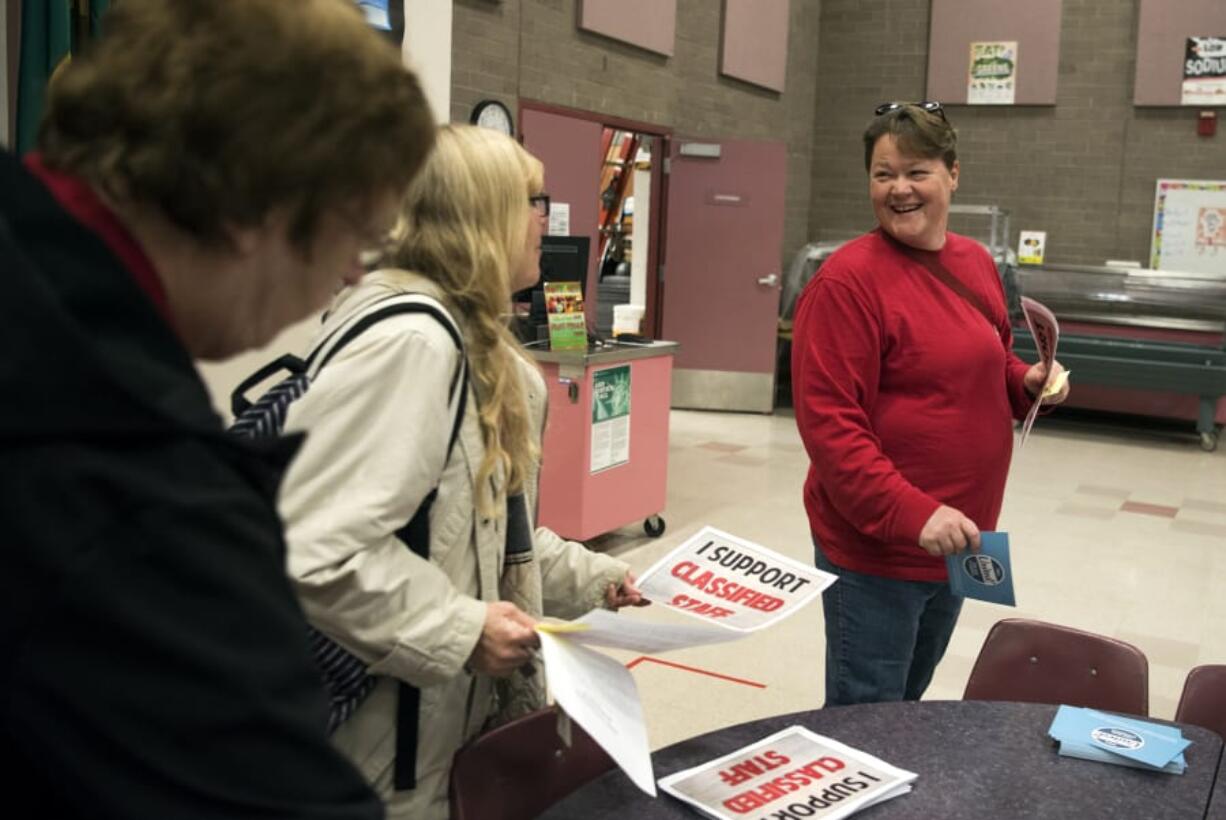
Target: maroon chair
1036, 662
517, 771
1203, 702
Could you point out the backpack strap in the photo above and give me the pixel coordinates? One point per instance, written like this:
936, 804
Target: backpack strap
291, 364
415, 534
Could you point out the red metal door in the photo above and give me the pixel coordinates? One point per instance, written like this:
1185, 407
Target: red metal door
722, 271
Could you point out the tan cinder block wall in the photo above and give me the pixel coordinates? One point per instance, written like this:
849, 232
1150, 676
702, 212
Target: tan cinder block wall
1083, 170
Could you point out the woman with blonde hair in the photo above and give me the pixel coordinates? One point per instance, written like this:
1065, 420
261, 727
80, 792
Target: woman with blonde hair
454, 629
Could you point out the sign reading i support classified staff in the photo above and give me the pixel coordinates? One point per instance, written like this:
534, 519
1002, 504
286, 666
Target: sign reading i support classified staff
793, 773
738, 584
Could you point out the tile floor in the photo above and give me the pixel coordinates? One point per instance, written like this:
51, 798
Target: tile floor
1117, 530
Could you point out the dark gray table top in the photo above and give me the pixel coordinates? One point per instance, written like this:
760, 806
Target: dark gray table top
1217, 805
974, 759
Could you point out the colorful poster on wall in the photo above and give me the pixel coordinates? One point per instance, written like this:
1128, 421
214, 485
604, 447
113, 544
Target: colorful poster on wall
1189, 226
1031, 246
1204, 71
610, 417
992, 75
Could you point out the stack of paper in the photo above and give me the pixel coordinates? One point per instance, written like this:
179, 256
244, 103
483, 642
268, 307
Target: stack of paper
1094, 735
793, 773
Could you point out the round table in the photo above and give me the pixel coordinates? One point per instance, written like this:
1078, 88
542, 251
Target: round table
1217, 805
975, 759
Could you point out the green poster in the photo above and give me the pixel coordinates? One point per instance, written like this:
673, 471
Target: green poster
610, 417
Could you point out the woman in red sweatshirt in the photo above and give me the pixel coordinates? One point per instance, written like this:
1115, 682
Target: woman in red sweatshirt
905, 393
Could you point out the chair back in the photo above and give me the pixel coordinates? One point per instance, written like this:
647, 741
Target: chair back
1036, 662
517, 771
1203, 702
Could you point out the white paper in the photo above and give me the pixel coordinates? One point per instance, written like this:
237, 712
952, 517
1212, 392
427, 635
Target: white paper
792, 768
559, 219
599, 694
737, 584
1046, 332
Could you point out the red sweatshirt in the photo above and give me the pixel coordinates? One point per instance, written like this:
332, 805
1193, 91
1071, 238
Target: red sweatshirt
904, 397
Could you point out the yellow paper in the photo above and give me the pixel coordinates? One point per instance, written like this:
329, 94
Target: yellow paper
561, 629
1057, 384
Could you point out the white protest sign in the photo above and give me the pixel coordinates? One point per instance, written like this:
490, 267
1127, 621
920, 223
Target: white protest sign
740, 585
1046, 332
599, 694
792, 773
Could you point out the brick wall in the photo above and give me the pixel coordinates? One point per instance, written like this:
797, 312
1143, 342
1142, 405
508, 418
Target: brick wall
532, 49
1083, 170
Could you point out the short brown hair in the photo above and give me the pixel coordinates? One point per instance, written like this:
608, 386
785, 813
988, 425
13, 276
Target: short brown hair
216, 112
918, 132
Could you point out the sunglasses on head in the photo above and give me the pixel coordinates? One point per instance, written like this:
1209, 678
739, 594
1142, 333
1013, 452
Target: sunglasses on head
931, 106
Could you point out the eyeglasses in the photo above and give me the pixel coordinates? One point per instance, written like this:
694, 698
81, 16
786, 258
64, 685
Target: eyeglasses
931, 106
540, 203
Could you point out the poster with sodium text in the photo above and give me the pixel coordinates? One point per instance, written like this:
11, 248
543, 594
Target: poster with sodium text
610, 417
1204, 71
792, 773
732, 582
992, 75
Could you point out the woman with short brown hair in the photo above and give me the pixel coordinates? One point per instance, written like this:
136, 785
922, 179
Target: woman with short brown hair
905, 389
208, 172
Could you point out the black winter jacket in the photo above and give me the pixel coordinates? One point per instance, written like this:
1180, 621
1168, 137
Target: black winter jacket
153, 659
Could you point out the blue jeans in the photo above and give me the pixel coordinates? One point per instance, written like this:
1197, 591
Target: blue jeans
884, 637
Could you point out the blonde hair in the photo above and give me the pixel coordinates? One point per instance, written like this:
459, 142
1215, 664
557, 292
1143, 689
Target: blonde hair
465, 227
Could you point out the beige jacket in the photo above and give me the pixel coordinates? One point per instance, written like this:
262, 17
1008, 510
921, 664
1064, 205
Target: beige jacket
378, 421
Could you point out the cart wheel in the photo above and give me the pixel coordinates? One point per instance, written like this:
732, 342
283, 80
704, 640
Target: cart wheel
654, 526
1208, 441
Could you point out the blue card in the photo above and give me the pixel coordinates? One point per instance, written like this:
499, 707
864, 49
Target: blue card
987, 574
1151, 744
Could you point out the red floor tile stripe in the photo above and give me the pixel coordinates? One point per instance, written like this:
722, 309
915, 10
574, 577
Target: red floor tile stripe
695, 670
1160, 510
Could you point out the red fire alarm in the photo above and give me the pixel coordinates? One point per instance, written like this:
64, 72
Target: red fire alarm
1206, 123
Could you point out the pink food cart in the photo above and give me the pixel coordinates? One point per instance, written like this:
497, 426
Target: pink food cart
605, 455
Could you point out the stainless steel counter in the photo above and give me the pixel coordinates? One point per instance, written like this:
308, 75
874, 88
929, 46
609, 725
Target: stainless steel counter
1139, 297
607, 354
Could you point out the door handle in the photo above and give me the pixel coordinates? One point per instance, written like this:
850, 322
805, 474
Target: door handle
769, 281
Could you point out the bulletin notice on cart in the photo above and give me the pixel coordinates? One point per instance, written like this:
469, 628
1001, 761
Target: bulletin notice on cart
610, 417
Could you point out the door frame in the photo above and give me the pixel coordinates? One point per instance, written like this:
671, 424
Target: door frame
653, 316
